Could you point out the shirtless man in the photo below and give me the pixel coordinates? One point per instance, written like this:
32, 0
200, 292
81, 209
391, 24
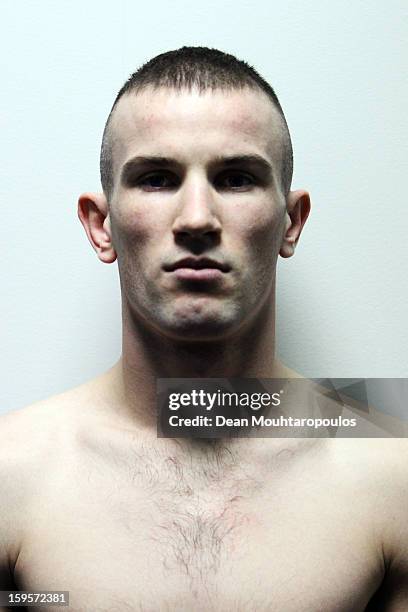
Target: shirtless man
196, 172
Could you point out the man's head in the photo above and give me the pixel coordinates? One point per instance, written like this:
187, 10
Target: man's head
198, 68
196, 171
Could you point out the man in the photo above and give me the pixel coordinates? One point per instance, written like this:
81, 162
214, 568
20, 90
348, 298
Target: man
196, 169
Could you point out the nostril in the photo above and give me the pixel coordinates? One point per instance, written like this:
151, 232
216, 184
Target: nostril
197, 243
197, 232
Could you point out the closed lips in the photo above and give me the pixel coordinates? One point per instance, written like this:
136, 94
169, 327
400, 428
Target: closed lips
197, 264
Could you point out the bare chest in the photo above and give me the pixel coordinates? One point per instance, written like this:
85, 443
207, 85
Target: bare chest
167, 537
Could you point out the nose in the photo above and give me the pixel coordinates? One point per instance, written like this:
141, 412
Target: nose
196, 221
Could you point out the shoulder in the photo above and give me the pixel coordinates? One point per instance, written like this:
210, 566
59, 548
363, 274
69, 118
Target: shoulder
376, 472
390, 505
39, 456
39, 438
27, 434
24, 438
29, 441
379, 463
382, 453
36, 442
38, 426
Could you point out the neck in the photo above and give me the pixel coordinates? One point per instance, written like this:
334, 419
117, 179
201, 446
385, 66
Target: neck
147, 356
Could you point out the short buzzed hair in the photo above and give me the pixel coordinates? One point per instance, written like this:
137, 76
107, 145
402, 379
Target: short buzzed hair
187, 68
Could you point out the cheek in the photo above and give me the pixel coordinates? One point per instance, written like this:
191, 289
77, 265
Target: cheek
261, 230
135, 233
133, 228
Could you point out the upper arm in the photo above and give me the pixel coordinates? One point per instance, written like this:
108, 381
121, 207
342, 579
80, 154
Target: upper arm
6, 531
392, 596
6, 570
24, 458
14, 476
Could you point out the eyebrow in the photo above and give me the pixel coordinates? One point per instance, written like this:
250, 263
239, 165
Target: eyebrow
157, 161
252, 159
153, 160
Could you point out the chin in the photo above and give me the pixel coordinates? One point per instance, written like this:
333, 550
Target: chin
203, 324
199, 333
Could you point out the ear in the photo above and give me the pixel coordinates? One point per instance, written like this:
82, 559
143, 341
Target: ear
93, 213
297, 211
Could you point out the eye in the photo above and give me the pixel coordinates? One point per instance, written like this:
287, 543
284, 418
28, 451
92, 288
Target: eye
155, 181
237, 181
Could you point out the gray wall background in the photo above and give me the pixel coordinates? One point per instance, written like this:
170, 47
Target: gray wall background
339, 69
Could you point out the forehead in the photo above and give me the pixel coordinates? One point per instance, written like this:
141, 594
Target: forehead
196, 126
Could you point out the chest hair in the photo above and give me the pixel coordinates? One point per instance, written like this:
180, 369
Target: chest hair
199, 506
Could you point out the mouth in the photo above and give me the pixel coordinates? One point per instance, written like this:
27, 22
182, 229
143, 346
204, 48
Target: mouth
198, 269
